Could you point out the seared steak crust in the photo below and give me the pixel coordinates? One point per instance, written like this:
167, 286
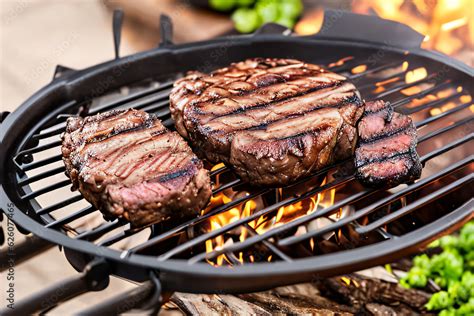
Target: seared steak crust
127, 164
386, 154
273, 120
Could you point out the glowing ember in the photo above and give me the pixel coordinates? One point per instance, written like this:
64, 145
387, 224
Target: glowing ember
416, 75
346, 280
359, 69
465, 98
381, 84
341, 61
218, 166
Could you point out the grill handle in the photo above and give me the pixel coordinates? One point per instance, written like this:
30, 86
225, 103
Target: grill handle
166, 31
117, 21
344, 25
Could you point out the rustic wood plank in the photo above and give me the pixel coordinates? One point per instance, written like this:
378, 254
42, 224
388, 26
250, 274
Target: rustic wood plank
295, 304
194, 304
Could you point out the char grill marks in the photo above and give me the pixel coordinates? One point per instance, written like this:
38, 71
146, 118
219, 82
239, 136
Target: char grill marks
127, 164
386, 154
273, 120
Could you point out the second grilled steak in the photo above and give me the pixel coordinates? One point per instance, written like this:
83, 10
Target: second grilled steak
128, 165
386, 154
273, 120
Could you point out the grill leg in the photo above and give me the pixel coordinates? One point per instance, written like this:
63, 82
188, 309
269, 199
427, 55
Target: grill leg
95, 277
147, 297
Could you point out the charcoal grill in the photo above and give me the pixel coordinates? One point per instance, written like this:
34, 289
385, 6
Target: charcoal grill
387, 224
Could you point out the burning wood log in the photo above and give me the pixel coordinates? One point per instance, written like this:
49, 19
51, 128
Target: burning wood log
347, 295
358, 291
293, 303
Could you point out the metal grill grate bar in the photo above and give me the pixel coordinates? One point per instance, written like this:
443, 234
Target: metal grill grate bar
421, 94
116, 238
59, 205
71, 217
269, 245
374, 70
435, 103
38, 149
375, 81
59, 121
226, 186
40, 163
41, 176
444, 129
448, 147
443, 114
58, 130
151, 101
101, 230
113, 239
154, 107
401, 86
218, 171
415, 205
132, 97
46, 189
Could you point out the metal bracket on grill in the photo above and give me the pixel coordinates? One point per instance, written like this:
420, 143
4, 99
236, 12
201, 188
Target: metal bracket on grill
166, 31
147, 297
95, 277
61, 71
117, 30
3, 116
272, 28
344, 25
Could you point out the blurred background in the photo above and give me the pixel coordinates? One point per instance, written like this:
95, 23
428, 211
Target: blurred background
37, 35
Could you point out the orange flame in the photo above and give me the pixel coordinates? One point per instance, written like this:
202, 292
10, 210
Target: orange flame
448, 25
359, 69
262, 224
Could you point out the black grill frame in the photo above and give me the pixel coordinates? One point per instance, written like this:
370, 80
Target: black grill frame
203, 278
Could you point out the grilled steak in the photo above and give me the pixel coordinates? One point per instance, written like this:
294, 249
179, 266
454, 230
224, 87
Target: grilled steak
273, 120
128, 165
386, 154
